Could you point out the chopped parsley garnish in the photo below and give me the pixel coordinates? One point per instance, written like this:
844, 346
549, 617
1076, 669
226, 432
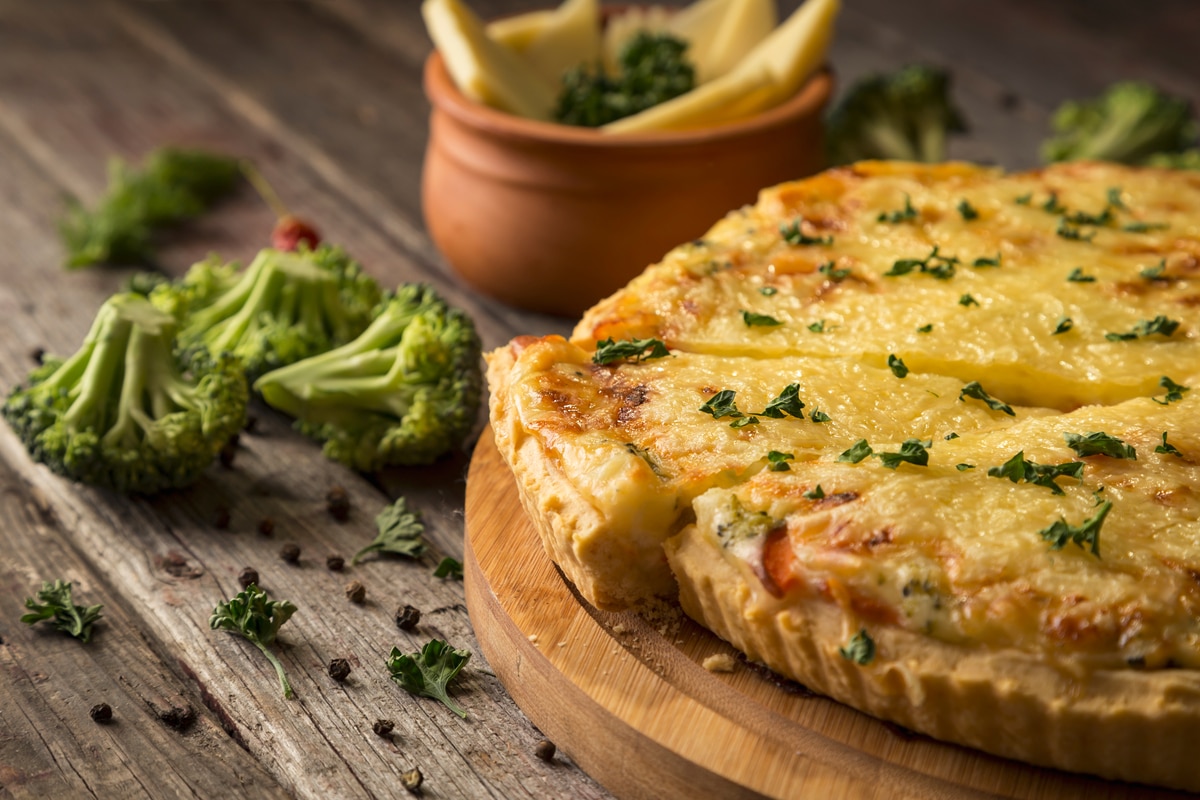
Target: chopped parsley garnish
794, 236
1068, 231
829, 271
967, 210
768, 291
1064, 324
818, 415
648, 457
967, 300
449, 568
904, 214
742, 422
818, 326
1114, 198
722, 404
860, 649
1144, 227
974, 390
1087, 533
1167, 449
1024, 200
857, 452
964, 467
1174, 391
816, 493
609, 351
1077, 276
1147, 327
988, 261
950, 435
1018, 469
912, 451
1104, 218
778, 461
897, 366
1154, 273
759, 320
787, 403
939, 266
925, 328
1099, 443
1052, 206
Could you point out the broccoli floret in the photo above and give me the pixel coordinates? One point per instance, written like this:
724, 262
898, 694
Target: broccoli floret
404, 392
903, 115
284, 307
125, 412
1128, 123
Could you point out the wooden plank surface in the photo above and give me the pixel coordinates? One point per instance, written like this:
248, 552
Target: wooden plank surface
324, 96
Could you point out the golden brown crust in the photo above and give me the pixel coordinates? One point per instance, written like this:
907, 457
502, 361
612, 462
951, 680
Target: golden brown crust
1120, 724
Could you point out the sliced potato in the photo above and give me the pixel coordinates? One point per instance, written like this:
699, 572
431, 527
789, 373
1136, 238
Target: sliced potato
482, 69
517, 33
571, 37
744, 24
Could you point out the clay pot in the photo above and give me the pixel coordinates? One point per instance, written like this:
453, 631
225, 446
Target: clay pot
553, 218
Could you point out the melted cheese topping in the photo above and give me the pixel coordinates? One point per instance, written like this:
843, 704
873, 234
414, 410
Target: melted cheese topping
944, 549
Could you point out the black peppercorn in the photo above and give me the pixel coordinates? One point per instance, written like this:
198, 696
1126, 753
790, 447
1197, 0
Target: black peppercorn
101, 712
335, 563
266, 526
337, 502
383, 727
545, 750
290, 553
222, 520
356, 592
407, 618
247, 576
412, 780
339, 669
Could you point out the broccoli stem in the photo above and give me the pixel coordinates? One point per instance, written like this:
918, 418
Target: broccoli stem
888, 141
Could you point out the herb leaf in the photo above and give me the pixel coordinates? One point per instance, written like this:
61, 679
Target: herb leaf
896, 365
449, 568
1147, 327
925, 328
252, 616
1077, 276
939, 266
172, 185
1099, 443
988, 261
829, 270
1174, 391
768, 291
1087, 533
818, 326
722, 404
788, 402
760, 320
778, 461
860, 649
912, 451
1018, 469
1064, 324
974, 390
967, 300
54, 602
967, 210
816, 493
1167, 449
857, 452
428, 673
906, 213
818, 415
399, 533
793, 235
1154, 273
609, 351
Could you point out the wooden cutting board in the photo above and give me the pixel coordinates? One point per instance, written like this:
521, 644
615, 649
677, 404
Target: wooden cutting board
629, 700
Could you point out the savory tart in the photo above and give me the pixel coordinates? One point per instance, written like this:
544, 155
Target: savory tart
922, 438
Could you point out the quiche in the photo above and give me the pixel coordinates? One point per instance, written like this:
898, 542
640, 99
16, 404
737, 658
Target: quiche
922, 438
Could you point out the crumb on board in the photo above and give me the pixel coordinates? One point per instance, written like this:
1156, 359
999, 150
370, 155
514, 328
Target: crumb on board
533, 638
619, 629
719, 662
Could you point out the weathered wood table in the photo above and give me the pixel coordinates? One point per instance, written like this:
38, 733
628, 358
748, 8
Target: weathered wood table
325, 97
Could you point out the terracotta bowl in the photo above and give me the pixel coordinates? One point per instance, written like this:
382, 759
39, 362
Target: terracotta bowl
553, 218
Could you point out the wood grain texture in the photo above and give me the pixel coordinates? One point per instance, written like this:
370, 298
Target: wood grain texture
629, 697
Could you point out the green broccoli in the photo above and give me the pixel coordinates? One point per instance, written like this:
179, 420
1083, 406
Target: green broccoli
903, 115
1129, 123
126, 412
404, 392
284, 307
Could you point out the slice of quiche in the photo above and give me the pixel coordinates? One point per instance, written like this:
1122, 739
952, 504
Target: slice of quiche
924, 438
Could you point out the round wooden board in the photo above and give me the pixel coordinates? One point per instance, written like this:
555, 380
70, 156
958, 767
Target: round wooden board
628, 698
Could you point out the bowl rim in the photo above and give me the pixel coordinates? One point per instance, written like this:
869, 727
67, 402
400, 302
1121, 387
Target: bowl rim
446, 97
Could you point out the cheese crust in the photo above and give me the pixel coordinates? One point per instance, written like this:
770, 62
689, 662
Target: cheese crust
937, 410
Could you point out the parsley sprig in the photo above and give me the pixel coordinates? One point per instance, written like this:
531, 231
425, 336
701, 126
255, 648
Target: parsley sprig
428, 673
975, 391
1174, 391
1018, 469
399, 533
55, 604
935, 264
257, 619
1085, 535
793, 235
609, 351
912, 451
1099, 443
1148, 327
